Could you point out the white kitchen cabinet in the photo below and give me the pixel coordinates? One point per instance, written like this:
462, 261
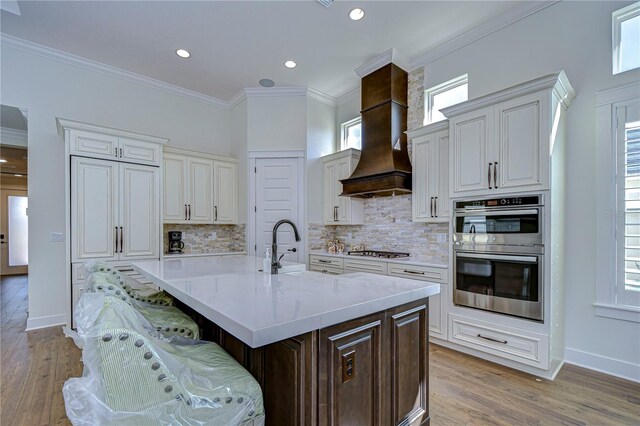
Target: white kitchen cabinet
430, 159
114, 210
340, 210
95, 144
500, 143
188, 189
225, 193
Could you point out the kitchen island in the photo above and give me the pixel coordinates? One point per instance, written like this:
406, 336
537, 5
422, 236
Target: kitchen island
348, 349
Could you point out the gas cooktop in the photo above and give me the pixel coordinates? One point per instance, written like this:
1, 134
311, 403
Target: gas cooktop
377, 253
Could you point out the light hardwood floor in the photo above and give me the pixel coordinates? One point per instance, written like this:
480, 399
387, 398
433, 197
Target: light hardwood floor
463, 390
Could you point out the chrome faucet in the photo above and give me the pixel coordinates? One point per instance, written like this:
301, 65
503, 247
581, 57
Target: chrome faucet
275, 262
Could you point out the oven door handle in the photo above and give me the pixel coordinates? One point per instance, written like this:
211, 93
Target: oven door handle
490, 213
529, 259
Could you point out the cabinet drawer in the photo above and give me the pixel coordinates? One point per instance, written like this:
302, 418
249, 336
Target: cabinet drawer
517, 345
326, 270
336, 262
423, 273
357, 265
93, 144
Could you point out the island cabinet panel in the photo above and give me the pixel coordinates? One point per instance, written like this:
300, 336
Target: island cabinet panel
351, 381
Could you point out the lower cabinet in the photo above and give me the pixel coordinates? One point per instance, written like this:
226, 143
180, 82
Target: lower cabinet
371, 370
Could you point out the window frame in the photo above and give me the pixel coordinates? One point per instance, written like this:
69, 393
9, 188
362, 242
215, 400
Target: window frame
617, 18
607, 303
344, 128
439, 89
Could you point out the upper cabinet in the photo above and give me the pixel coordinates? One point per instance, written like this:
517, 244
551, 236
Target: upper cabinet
500, 143
340, 210
430, 176
199, 189
135, 148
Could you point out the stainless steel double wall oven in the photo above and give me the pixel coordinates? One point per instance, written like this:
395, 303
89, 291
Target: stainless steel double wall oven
498, 250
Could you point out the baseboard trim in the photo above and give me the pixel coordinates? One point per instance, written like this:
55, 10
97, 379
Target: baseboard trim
44, 322
613, 367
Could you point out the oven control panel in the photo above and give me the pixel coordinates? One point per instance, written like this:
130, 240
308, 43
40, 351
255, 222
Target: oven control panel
534, 200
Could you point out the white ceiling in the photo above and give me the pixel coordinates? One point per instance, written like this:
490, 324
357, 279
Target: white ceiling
236, 43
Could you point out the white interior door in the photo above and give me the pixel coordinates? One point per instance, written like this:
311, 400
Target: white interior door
277, 197
13, 232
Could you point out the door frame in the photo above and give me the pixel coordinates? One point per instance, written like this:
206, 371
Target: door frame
23, 269
299, 155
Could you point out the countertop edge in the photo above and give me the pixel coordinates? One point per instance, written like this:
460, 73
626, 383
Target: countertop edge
380, 259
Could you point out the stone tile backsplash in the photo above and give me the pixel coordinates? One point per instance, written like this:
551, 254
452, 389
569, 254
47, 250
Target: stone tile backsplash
387, 226
200, 238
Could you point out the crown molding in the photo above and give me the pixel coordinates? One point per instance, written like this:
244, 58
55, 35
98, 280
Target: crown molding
509, 17
618, 94
65, 124
7, 40
428, 129
267, 92
391, 56
237, 99
10, 136
11, 6
348, 95
322, 97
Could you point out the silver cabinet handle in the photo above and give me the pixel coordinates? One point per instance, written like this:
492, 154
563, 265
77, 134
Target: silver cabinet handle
120, 152
116, 149
185, 212
431, 207
495, 174
489, 175
413, 272
492, 339
215, 213
115, 232
189, 211
435, 206
335, 213
121, 239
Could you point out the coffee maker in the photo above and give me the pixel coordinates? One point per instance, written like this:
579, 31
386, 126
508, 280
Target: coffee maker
175, 242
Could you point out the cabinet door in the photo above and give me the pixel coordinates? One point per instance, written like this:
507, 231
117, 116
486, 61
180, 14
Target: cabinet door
522, 149
139, 211
225, 193
438, 313
94, 209
175, 189
420, 196
470, 135
343, 171
441, 184
200, 205
330, 197
140, 152
93, 144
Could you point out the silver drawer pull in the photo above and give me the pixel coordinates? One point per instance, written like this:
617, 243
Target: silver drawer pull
492, 339
324, 261
413, 272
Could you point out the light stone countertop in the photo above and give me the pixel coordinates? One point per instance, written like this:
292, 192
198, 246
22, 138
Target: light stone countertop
411, 260
201, 254
260, 308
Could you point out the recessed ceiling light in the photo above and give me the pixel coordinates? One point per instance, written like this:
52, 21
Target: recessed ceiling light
2, 160
265, 82
183, 53
290, 64
356, 14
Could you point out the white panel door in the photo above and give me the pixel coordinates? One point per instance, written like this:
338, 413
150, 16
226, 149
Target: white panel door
139, 207
225, 198
470, 136
441, 187
175, 189
200, 205
521, 149
277, 197
93, 144
94, 209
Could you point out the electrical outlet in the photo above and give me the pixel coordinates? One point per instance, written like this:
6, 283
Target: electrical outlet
57, 237
441, 238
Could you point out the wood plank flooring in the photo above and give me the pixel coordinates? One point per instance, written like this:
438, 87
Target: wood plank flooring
463, 390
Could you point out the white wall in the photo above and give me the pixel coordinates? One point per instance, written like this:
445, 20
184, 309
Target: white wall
48, 89
276, 123
239, 151
321, 122
576, 37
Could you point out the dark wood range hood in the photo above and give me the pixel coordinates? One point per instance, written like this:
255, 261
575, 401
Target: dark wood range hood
384, 168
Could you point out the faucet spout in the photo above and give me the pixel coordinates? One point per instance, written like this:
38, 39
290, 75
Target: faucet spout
275, 262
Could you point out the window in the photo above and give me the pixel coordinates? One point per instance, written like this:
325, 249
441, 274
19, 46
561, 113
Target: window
618, 200
351, 134
444, 95
626, 38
